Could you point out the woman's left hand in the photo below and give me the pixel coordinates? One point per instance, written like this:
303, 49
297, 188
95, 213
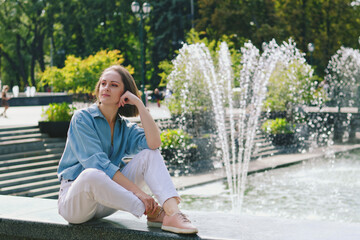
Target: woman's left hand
128, 98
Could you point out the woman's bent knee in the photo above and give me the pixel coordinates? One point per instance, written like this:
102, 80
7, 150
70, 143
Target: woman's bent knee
91, 173
91, 176
151, 156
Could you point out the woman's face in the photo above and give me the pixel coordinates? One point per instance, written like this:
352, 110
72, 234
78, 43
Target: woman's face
111, 88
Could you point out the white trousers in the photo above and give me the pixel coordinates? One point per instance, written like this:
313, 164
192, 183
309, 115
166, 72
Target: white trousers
94, 194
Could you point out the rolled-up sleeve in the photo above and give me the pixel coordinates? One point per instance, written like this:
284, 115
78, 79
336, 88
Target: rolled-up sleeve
136, 140
86, 146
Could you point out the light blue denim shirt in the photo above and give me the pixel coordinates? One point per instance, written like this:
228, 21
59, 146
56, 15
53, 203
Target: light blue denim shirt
88, 144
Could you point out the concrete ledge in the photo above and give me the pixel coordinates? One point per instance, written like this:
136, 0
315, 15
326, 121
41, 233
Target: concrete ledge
103, 230
34, 218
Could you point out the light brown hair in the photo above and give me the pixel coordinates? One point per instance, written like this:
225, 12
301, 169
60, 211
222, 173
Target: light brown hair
5, 87
129, 85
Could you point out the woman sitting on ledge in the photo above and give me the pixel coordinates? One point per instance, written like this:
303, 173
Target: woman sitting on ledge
95, 181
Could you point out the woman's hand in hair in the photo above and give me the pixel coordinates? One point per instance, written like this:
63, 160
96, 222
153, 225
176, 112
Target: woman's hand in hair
128, 98
152, 132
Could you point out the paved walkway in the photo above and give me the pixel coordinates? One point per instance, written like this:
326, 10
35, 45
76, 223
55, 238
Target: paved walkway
30, 115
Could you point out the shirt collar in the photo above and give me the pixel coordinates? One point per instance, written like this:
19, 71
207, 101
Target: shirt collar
95, 112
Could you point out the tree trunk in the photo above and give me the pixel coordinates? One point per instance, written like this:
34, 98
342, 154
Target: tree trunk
21, 67
304, 26
33, 53
40, 50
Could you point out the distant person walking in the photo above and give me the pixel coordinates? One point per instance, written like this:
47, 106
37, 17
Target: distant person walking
157, 96
146, 97
4, 100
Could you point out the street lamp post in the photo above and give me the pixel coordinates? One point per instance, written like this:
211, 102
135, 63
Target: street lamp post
142, 13
311, 49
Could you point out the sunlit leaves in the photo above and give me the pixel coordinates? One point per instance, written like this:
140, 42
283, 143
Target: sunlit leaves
81, 75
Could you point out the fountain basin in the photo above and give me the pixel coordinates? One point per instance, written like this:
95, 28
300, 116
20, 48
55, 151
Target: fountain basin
319, 189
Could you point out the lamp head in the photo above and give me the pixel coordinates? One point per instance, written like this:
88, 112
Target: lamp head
135, 7
311, 47
146, 7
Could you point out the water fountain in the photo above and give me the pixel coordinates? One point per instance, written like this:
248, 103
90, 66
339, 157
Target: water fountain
343, 73
342, 83
200, 76
197, 77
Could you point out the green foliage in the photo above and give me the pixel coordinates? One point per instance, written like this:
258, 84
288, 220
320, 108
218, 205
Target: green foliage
81, 75
193, 37
278, 126
291, 86
175, 138
177, 149
35, 34
25, 30
166, 68
198, 98
58, 112
343, 76
327, 24
169, 23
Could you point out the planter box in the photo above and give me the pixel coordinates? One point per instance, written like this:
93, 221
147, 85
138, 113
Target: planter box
54, 129
40, 99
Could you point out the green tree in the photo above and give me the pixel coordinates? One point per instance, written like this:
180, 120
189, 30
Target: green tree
252, 19
81, 75
84, 27
170, 20
327, 24
24, 26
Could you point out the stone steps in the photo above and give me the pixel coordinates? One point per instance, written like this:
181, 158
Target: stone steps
20, 145
26, 179
30, 153
27, 172
25, 166
13, 132
49, 195
53, 188
28, 162
29, 186
21, 137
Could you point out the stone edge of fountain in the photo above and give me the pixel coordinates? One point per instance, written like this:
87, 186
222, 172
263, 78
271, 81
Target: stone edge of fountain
260, 165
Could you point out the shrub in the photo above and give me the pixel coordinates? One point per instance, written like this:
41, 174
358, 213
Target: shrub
278, 126
58, 112
175, 139
81, 75
177, 149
